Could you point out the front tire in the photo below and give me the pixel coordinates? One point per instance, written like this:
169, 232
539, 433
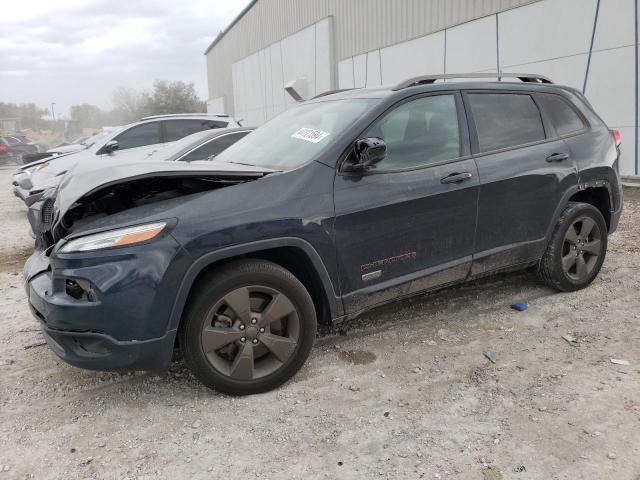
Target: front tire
577, 248
249, 327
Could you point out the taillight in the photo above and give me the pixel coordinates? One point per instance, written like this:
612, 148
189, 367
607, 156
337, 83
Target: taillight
617, 137
3, 148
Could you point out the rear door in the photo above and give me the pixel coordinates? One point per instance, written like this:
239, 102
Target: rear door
524, 171
409, 224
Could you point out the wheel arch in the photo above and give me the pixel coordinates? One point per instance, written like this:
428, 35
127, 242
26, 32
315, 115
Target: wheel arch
596, 193
599, 197
292, 253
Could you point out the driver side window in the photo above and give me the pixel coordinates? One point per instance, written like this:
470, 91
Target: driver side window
139, 136
419, 132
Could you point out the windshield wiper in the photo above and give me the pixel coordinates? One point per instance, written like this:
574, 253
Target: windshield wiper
240, 163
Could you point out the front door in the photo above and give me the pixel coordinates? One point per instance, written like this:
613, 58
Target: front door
139, 139
409, 224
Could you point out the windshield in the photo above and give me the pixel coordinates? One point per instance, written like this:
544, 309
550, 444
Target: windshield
78, 141
297, 135
106, 132
172, 150
189, 142
87, 142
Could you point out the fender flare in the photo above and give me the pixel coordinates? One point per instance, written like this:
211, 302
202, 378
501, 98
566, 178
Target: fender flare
571, 191
335, 302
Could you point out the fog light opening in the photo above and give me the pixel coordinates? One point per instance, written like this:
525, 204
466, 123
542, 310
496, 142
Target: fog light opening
79, 289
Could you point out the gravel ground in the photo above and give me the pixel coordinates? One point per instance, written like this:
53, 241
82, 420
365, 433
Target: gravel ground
404, 392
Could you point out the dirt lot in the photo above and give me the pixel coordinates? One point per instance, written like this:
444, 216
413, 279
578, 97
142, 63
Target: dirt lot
404, 392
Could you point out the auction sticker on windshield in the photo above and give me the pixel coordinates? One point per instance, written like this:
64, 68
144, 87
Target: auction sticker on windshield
310, 135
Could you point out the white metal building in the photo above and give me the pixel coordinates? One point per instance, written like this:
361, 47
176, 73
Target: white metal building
320, 45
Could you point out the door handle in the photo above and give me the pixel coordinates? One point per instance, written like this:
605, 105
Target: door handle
557, 157
456, 177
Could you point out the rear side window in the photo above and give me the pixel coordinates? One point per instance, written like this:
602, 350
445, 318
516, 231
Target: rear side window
505, 120
562, 115
214, 147
419, 132
177, 129
139, 136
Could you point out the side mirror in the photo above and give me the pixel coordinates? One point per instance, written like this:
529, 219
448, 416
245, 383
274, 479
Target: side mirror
110, 146
368, 152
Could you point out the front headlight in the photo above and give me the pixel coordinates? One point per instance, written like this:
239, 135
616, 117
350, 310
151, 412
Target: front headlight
40, 166
114, 238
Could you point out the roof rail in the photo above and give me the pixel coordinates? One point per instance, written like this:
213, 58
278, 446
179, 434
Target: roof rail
185, 115
331, 92
429, 79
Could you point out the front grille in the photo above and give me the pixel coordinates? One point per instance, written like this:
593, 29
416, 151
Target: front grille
46, 212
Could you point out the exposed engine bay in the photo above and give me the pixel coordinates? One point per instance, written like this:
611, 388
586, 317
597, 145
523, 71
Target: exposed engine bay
50, 225
117, 198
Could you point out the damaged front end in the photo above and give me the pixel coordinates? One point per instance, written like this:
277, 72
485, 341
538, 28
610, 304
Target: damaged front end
122, 196
109, 307
85, 197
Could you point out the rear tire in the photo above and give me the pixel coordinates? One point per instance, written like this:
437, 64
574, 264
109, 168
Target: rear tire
249, 327
576, 250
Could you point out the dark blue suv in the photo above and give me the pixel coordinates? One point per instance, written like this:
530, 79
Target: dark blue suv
349, 201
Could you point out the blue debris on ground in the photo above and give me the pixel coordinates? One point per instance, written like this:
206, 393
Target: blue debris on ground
520, 306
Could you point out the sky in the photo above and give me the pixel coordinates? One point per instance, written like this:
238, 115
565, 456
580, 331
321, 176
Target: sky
78, 51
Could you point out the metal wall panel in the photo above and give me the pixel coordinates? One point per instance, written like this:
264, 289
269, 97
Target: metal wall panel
359, 27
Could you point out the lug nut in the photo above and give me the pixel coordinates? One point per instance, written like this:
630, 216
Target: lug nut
255, 340
241, 327
254, 320
262, 330
243, 339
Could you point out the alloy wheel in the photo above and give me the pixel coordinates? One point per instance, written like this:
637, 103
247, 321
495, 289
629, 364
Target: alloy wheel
250, 332
581, 248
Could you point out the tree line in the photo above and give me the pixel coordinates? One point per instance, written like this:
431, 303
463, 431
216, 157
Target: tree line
129, 105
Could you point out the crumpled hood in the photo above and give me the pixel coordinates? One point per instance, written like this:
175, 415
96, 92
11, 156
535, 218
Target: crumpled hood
77, 184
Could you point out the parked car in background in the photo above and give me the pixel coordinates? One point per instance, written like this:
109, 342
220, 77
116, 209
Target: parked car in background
81, 143
134, 140
76, 144
63, 149
17, 146
336, 206
199, 147
5, 151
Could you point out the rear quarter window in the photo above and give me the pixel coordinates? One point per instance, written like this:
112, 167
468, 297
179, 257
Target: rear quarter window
562, 115
504, 120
